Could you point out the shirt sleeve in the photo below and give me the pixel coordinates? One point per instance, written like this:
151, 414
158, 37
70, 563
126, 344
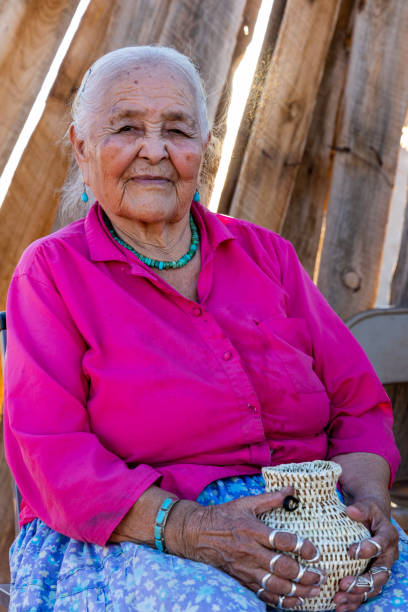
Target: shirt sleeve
66, 476
361, 413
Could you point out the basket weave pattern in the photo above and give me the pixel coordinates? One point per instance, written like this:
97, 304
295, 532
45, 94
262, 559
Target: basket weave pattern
321, 518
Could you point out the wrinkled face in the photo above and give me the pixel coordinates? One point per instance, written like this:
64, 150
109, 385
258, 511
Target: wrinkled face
143, 151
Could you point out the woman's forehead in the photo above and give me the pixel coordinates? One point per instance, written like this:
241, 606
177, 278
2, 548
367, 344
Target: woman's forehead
146, 84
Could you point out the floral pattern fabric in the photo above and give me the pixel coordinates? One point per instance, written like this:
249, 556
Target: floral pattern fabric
53, 572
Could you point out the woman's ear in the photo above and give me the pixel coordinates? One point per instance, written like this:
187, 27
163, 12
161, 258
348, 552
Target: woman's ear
80, 151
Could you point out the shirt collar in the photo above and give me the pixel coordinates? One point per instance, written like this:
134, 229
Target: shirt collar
102, 247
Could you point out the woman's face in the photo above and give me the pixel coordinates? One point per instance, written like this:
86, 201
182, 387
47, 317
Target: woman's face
143, 150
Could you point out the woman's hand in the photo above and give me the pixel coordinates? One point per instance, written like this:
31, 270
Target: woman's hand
384, 554
230, 537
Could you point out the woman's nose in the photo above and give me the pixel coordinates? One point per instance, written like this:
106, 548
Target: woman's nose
153, 148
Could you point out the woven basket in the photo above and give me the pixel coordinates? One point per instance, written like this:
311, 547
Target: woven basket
321, 518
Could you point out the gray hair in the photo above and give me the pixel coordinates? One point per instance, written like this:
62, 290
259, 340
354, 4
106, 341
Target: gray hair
88, 96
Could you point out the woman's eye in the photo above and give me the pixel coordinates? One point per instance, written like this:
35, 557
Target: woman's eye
178, 132
126, 128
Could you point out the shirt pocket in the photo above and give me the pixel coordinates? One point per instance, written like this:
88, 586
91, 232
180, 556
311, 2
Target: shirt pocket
289, 344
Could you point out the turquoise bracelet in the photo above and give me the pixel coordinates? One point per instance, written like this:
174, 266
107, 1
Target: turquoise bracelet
161, 519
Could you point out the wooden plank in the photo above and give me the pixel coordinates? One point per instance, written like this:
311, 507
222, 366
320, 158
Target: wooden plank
265, 56
367, 144
213, 154
209, 30
281, 125
206, 32
30, 33
303, 220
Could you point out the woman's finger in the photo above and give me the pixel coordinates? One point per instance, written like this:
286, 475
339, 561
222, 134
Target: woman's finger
274, 585
287, 541
287, 568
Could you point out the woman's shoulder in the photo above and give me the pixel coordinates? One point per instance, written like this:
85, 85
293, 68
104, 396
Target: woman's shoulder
258, 241
51, 248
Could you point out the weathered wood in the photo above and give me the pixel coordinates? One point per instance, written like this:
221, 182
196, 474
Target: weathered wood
265, 56
367, 144
399, 285
281, 125
30, 33
206, 32
213, 154
210, 30
303, 220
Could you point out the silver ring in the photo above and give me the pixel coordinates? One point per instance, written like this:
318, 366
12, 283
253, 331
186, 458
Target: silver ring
358, 549
365, 597
281, 599
258, 593
378, 547
316, 557
299, 544
316, 570
265, 580
273, 561
352, 585
271, 537
363, 582
378, 569
302, 601
371, 582
300, 574
292, 591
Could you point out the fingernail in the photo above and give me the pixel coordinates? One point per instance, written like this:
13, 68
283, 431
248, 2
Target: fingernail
314, 592
342, 600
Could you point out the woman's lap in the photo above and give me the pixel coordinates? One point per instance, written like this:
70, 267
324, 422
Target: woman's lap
53, 572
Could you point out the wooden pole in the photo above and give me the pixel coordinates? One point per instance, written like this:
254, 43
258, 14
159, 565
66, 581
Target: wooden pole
303, 220
262, 68
281, 125
366, 151
30, 33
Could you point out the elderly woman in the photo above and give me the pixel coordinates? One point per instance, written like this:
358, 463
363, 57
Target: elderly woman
159, 355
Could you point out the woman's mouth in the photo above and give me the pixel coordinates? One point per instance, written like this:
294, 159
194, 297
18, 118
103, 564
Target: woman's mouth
150, 179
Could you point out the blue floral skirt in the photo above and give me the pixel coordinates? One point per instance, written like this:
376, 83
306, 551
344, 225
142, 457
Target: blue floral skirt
53, 572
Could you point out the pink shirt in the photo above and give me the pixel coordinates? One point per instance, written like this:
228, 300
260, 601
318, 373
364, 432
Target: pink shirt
115, 381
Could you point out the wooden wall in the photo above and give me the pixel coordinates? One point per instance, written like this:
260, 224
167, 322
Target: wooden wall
316, 152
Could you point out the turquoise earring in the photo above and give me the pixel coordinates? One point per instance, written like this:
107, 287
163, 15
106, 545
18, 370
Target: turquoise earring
84, 196
196, 196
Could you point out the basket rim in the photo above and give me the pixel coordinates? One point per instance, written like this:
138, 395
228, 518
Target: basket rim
306, 468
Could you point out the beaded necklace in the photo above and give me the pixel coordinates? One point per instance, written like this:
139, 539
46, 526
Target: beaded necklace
157, 263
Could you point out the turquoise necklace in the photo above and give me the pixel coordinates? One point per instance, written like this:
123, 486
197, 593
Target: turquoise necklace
157, 263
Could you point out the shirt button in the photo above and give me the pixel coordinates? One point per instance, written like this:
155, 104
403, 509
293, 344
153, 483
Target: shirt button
197, 311
227, 355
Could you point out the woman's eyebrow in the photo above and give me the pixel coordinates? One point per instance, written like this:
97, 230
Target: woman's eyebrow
168, 116
179, 116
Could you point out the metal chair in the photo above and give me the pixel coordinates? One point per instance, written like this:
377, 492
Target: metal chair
383, 334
